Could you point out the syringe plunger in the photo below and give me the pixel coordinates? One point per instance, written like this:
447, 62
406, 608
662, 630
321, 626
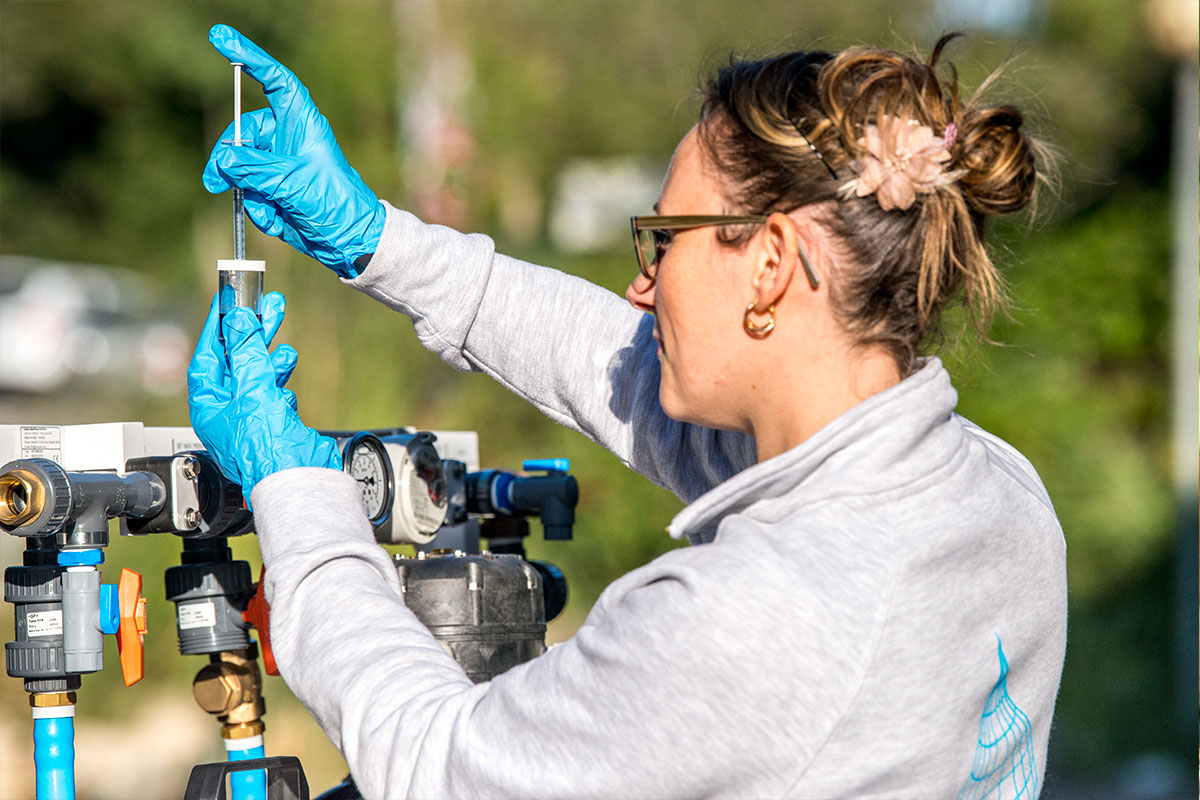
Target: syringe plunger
239, 222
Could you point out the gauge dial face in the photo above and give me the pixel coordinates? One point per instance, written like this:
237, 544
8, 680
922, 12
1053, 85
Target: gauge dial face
366, 462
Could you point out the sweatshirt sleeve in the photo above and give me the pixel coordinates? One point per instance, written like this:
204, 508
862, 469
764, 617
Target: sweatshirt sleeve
613, 712
578, 352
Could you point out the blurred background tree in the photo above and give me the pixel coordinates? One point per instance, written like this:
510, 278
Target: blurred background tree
489, 117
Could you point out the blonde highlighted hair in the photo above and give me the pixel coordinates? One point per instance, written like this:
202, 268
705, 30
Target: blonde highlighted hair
768, 125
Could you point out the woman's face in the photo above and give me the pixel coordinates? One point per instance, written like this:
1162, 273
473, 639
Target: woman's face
698, 300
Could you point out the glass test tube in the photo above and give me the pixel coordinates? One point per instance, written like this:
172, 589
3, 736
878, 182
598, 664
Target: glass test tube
240, 284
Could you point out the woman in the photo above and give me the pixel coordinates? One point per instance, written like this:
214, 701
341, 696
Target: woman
878, 602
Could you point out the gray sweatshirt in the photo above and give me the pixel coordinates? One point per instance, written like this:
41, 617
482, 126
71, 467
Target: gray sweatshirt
878, 612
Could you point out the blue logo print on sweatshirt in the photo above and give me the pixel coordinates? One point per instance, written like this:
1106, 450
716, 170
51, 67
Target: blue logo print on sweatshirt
1004, 767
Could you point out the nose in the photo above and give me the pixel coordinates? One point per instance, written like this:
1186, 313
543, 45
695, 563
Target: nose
640, 293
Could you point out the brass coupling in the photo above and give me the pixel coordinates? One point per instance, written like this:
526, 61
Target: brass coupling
230, 687
22, 498
51, 699
243, 730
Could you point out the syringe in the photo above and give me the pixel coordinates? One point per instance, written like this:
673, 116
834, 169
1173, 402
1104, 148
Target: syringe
239, 282
239, 224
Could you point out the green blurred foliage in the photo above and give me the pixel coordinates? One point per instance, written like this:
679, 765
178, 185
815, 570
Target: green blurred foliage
108, 110
1079, 382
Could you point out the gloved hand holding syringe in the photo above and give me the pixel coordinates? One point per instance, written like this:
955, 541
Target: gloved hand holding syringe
298, 184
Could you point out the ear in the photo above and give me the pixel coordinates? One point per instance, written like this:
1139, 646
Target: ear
779, 259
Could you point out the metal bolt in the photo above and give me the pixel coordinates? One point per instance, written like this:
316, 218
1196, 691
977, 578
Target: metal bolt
192, 518
191, 466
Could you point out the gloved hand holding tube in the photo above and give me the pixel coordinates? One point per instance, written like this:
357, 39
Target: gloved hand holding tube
239, 407
299, 186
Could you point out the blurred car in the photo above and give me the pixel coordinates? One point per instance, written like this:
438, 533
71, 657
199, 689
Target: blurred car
62, 323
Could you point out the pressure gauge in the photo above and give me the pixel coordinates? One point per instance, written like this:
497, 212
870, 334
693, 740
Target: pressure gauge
366, 460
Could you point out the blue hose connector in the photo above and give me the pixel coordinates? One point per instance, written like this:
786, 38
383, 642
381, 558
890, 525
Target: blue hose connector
54, 752
91, 557
248, 784
546, 465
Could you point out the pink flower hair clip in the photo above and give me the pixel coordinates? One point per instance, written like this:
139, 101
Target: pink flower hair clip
902, 159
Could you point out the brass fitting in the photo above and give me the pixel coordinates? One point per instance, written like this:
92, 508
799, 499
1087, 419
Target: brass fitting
243, 730
51, 699
230, 687
22, 498
218, 688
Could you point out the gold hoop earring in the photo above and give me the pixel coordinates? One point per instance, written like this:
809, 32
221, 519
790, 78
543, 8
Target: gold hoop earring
759, 331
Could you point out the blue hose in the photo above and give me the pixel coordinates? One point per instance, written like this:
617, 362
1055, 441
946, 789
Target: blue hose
250, 784
54, 758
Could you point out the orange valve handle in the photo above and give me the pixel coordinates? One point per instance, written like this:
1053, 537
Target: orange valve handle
132, 630
258, 614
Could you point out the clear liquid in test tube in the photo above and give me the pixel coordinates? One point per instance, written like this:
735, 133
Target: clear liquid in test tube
240, 284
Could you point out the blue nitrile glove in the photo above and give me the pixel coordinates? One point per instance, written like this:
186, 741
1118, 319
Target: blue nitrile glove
298, 183
238, 405
283, 358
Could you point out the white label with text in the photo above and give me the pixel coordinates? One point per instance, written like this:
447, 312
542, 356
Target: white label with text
44, 623
197, 615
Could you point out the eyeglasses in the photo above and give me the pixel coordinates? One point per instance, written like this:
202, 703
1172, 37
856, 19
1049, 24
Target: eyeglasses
652, 235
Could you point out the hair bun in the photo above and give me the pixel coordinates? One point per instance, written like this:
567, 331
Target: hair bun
898, 130
1000, 173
